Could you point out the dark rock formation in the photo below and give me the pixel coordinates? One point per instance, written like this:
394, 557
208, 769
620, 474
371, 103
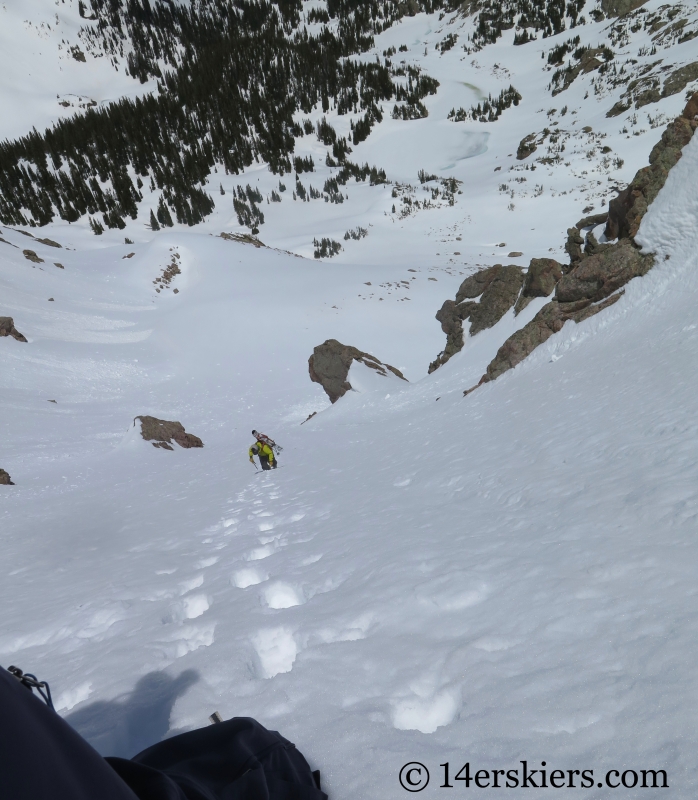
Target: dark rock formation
162, 433
587, 289
49, 242
541, 278
330, 363
497, 286
619, 8
596, 273
542, 275
5, 479
573, 247
592, 220
626, 211
549, 320
679, 79
691, 110
588, 62
244, 238
7, 328
599, 275
499, 296
527, 146
30, 255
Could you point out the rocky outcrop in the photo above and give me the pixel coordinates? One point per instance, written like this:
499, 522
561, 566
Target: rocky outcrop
597, 271
330, 363
549, 320
592, 220
626, 211
5, 479
244, 238
162, 433
527, 146
574, 247
498, 287
7, 328
619, 8
499, 296
541, 278
679, 79
31, 255
599, 275
590, 60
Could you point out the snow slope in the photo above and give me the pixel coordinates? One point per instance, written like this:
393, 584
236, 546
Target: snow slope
430, 577
500, 577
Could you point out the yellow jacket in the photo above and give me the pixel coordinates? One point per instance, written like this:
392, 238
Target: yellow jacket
263, 450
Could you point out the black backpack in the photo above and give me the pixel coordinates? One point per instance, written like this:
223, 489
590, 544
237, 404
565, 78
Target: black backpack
43, 758
234, 760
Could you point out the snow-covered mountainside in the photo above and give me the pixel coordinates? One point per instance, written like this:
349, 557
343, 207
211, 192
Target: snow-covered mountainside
431, 577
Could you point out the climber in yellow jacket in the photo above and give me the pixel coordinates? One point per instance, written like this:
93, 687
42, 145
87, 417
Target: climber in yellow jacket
265, 453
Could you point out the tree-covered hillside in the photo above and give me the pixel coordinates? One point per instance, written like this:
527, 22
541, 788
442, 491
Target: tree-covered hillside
231, 74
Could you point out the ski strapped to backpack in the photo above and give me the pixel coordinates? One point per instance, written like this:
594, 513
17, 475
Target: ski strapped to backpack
262, 437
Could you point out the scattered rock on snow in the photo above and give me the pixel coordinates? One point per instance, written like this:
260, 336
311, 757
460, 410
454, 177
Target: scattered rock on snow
330, 363
5, 479
245, 238
7, 328
49, 243
30, 255
162, 433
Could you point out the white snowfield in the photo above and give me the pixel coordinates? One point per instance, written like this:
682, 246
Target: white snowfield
435, 578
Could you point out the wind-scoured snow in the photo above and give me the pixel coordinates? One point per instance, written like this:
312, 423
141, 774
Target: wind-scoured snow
429, 577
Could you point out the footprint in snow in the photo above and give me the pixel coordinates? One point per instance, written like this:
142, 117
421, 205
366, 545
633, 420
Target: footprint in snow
276, 649
248, 577
282, 595
426, 714
185, 639
260, 552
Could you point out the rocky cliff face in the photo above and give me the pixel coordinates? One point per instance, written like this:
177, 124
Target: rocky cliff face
496, 287
330, 363
596, 271
591, 281
626, 211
